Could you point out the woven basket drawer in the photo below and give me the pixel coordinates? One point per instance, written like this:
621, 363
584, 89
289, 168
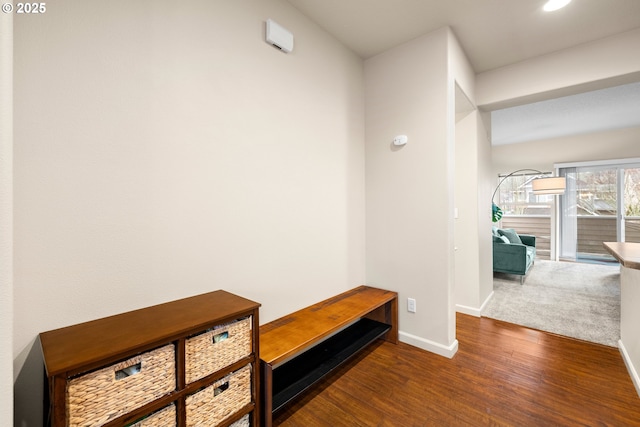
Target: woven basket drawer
214, 404
242, 422
217, 348
95, 398
163, 418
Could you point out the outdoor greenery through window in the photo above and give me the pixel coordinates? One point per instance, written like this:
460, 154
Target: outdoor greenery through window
601, 204
516, 196
632, 205
597, 191
632, 192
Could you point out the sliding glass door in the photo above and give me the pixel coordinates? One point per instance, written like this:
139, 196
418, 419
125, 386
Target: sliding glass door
601, 204
630, 221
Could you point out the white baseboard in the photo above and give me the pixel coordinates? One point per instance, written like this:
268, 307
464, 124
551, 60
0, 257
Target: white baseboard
486, 302
428, 345
632, 370
465, 309
472, 311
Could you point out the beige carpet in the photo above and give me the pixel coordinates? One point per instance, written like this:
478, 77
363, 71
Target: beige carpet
573, 299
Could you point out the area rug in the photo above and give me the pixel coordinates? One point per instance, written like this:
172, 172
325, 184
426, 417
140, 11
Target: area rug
572, 299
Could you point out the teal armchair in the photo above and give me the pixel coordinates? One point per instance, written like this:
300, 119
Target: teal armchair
513, 253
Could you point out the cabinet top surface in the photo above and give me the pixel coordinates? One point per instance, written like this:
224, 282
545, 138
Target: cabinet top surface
290, 334
628, 254
83, 345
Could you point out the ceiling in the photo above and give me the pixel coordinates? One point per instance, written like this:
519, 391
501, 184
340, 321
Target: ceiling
597, 111
493, 33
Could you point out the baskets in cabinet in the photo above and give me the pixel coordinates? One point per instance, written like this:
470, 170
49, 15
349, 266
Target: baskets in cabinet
216, 403
217, 348
97, 397
165, 417
242, 422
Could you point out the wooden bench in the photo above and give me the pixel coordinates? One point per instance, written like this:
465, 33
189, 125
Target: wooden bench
299, 349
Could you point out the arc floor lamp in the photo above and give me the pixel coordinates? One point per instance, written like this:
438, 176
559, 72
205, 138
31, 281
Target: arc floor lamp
544, 185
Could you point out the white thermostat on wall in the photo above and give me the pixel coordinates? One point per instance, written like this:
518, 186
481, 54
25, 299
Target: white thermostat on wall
279, 36
400, 140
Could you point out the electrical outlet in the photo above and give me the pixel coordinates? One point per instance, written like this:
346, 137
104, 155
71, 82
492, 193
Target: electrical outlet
411, 305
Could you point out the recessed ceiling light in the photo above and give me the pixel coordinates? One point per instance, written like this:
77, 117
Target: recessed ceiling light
552, 5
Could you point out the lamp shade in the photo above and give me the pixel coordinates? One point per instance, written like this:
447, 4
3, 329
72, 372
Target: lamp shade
551, 185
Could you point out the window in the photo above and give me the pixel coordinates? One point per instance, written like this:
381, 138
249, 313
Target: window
601, 204
516, 196
525, 212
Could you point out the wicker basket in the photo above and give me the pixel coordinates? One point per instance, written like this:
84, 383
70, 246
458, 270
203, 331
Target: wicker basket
96, 398
214, 404
216, 349
163, 418
242, 422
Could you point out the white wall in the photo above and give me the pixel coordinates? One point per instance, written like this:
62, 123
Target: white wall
466, 248
606, 62
409, 189
485, 189
474, 273
6, 219
163, 149
629, 343
541, 155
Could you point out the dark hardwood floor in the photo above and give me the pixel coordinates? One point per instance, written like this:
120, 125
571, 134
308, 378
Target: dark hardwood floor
502, 375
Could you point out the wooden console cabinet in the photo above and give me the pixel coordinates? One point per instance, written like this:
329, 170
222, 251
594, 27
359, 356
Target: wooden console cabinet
299, 349
190, 362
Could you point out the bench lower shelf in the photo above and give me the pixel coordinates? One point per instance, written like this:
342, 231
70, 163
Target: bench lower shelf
298, 374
